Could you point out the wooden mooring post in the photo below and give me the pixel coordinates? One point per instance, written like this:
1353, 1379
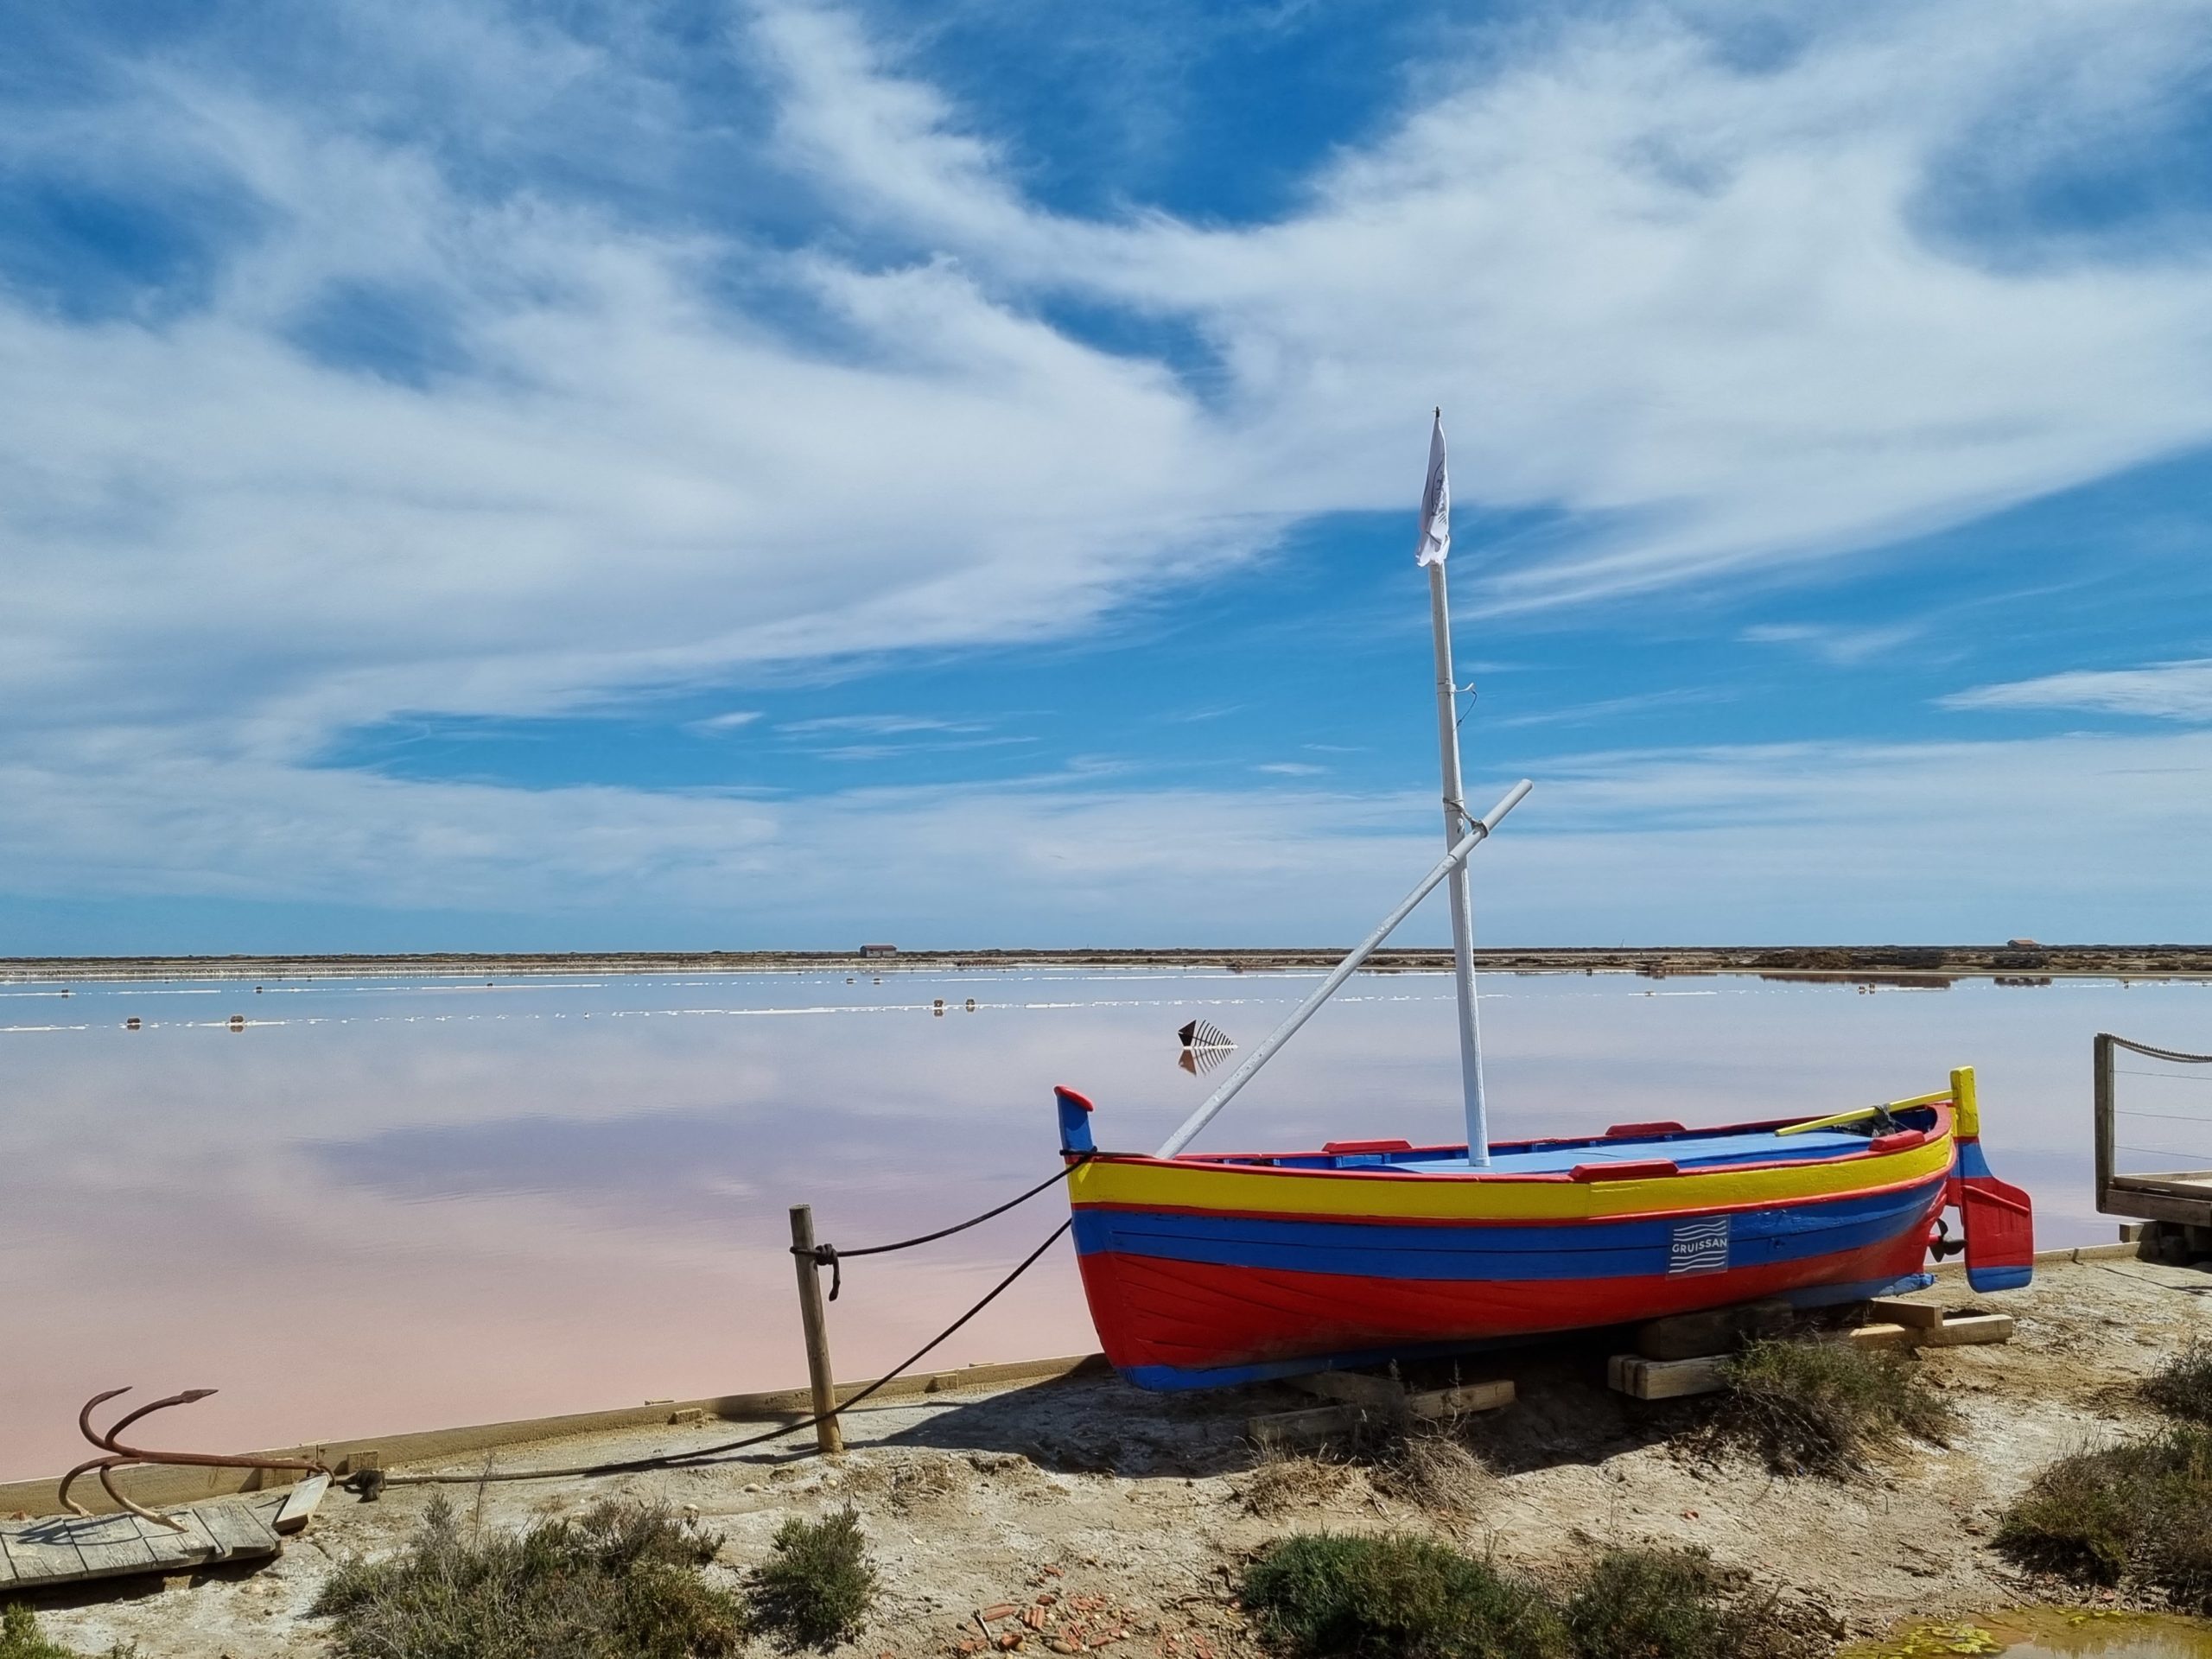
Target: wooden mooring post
816, 1319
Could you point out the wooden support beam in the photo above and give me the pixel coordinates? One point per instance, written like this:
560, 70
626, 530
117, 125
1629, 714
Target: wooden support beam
1666, 1379
1672, 1379
1960, 1330
1918, 1315
1321, 1422
1353, 1388
1440, 1404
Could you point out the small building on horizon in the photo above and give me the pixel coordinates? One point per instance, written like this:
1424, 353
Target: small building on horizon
878, 949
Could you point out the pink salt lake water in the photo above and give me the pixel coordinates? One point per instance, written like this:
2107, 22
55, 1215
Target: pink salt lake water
393, 1204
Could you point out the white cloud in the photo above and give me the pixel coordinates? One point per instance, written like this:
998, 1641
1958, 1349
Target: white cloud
728, 722
2180, 691
1646, 281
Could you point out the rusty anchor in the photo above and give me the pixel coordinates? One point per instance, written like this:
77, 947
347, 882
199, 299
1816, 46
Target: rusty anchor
118, 1454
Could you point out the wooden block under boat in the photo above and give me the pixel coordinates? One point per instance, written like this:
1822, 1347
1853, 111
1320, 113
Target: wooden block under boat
1891, 1311
1971, 1325
1666, 1379
1320, 1422
1949, 1330
1712, 1330
1353, 1388
1671, 1379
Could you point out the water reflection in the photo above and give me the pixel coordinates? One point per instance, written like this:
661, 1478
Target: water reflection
1205, 1047
2050, 1633
382, 1204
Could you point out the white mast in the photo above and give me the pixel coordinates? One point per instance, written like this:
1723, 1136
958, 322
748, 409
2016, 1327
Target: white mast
1435, 548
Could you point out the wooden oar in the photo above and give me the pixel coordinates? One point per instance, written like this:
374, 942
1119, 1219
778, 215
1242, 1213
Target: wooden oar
1810, 1124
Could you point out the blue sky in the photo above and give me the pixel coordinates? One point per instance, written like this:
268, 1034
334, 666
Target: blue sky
769, 475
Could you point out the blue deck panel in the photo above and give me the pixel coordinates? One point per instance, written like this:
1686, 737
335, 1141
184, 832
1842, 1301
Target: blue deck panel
1703, 1151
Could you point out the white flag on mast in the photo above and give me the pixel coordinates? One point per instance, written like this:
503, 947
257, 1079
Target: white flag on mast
1435, 502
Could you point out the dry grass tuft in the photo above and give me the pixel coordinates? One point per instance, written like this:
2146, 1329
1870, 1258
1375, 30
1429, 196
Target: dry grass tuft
1823, 1407
1287, 1481
1434, 1469
2183, 1386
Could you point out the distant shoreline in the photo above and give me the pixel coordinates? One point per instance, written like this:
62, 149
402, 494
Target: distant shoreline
1902, 964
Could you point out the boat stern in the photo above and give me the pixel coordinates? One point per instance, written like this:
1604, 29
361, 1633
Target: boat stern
1999, 1218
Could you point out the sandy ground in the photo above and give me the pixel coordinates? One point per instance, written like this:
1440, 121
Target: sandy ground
1107, 1510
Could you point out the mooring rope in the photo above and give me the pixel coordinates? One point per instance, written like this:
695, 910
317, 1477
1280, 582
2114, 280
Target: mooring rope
829, 1255
2173, 1055
370, 1481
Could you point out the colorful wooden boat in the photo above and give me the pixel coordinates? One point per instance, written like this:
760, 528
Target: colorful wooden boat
1208, 1269
1221, 1267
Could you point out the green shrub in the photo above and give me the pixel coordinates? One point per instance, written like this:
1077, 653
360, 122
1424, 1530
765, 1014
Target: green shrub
1660, 1603
1819, 1407
1397, 1598
2138, 1514
20, 1639
2183, 1386
819, 1585
618, 1582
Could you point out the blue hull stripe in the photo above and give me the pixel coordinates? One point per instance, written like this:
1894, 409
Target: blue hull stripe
1576, 1250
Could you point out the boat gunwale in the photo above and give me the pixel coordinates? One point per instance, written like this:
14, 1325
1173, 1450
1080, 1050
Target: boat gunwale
1226, 1163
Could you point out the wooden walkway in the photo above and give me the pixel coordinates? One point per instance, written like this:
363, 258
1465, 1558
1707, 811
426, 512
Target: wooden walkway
67, 1548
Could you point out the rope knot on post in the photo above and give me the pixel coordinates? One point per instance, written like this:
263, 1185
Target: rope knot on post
825, 1256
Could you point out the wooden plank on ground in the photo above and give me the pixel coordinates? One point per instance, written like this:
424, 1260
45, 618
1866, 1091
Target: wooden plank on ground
1959, 1330
1440, 1403
1666, 1379
111, 1544
42, 1551
1320, 1423
299, 1505
69, 1548
1885, 1335
174, 1550
238, 1529
1914, 1315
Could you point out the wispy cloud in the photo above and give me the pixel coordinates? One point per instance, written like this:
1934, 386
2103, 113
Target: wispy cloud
881, 725
728, 722
1841, 645
1291, 768
1610, 708
2179, 691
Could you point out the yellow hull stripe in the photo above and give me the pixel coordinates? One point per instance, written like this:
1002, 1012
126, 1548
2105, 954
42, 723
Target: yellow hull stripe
1173, 1183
